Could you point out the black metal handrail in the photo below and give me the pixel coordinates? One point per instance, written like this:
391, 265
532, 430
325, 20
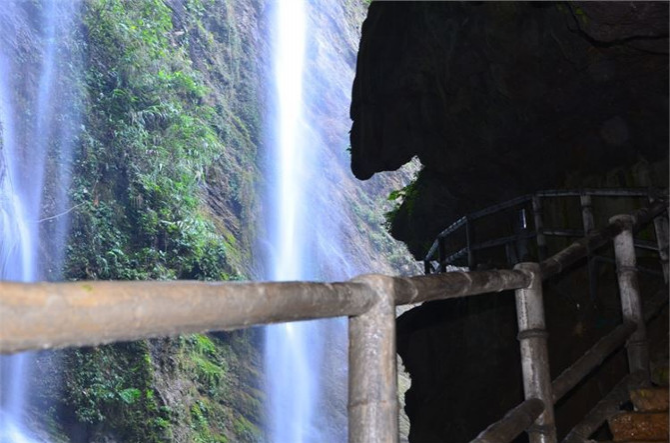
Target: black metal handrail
438, 258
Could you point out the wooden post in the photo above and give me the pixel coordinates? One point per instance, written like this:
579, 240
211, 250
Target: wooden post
373, 385
534, 354
631, 305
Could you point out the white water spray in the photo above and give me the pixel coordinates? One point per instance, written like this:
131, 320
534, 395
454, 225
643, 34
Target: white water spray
305, 362
291, 390
31, 98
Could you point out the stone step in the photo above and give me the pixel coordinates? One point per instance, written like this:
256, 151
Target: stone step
650, 399
639, 426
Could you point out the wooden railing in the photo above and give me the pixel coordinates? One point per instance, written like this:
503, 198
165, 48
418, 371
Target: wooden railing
55, 315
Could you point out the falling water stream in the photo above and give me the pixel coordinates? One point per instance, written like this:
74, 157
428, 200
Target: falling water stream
305, 361
33, 170
291, 390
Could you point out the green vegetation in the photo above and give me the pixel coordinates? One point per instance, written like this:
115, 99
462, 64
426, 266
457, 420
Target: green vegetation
113, 385
146, 144
402, 198
162, 184
369, 219
215, 410
405, 195
146, 392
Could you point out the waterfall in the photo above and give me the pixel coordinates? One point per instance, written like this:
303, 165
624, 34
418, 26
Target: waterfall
36, 125
291, 389
305, 362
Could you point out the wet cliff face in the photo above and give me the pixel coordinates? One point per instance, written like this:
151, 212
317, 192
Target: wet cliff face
498, 99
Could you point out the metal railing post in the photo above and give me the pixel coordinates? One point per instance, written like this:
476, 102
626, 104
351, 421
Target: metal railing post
589, 226
540, 238
587, 213
520, 230
534, 353
631, 305
469, 240
427, 267
373, 390
441, 254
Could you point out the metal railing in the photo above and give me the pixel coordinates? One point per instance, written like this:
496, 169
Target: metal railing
529, 210
54, 315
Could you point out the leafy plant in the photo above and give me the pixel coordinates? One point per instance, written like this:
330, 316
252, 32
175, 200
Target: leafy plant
154, 131
146, 146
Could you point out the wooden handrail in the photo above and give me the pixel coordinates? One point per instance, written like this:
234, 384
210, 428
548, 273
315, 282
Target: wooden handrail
533, 336
52, 315
513, 423
571, 376
598, 238
55, 315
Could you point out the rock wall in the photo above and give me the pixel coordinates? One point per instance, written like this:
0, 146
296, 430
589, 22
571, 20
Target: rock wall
502, 98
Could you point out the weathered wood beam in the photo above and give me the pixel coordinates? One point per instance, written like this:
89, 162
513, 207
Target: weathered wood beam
513, 423
457, 284
373, 382
54, 315
593, 358
581, 248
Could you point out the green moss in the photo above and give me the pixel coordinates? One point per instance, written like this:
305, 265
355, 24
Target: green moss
246, 430
201, 357
216, 405
404, 198
110, 387
579, 13
147, 142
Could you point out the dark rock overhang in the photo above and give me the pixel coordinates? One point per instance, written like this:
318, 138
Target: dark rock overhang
503, 98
